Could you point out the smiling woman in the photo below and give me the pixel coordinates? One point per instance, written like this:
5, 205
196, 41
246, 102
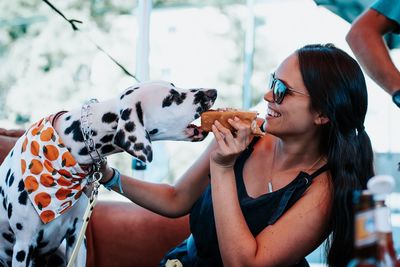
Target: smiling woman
280, 190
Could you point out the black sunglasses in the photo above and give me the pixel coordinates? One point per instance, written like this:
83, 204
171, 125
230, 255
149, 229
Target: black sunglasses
279, 89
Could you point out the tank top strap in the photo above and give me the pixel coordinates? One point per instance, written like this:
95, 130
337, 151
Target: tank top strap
319, 171
253, 142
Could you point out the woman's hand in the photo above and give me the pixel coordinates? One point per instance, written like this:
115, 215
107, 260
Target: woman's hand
107, 172
230, 145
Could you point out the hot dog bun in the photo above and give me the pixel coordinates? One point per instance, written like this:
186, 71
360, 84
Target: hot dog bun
222, 115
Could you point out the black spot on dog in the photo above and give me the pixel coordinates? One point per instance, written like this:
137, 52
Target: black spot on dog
132, 138
12, 153
11, 181
130, 126
120, 141
109, 117
148, 136
154, 131
70, 234
126, 113
203, 98
40, 236
173, 97
84, 151
67, 118
149, 153
9, 210
21, 256
2, 191
8, 237
196, 116
173, 85
128, 92
23, 197
39, 240
19, 226
97, 146
107, 138
142, 158
21, 186
107, 149
138, 146
75, 129
30, 255
71, 240
8, 176
193, 90
114, 127
139, 112
119, 137
9, 252
5, 203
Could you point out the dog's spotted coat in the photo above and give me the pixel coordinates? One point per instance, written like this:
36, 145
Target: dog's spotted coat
141, 114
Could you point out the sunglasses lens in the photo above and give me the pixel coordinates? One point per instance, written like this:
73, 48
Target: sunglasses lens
279, 91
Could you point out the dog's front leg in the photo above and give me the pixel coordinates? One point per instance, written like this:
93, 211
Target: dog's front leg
22, 253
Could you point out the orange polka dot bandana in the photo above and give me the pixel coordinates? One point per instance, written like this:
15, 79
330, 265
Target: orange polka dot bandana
53, 179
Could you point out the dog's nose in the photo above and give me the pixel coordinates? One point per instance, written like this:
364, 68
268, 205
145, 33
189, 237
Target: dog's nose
212, 94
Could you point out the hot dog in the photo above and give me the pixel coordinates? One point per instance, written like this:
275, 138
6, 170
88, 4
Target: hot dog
222, 115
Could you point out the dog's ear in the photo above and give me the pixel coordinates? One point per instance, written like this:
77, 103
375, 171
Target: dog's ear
131, 135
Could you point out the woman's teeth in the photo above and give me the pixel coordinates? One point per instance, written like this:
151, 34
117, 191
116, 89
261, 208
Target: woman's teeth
273, 113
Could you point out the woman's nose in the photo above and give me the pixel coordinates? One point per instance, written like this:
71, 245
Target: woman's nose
268, 96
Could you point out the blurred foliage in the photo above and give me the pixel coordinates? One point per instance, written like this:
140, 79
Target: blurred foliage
36, 44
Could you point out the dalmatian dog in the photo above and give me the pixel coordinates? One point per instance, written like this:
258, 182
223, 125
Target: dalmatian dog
29, 228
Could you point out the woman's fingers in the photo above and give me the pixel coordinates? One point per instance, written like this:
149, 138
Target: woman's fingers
222, 129
232, 142
243, 129
220, 137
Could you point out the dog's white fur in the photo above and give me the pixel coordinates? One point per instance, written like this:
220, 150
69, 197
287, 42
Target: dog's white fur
141, 114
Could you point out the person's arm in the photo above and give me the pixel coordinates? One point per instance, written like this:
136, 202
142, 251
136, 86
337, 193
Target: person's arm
299, 231
366, 41
168, 200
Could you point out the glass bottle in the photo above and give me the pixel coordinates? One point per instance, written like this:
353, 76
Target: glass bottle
387, 254
381, 186
365, 253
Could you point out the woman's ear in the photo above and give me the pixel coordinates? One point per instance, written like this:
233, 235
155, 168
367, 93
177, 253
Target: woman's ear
321, 119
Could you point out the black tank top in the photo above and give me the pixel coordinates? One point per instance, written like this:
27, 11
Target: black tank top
201, 248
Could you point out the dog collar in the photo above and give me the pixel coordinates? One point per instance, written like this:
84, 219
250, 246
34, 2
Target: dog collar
52, 177
87, 134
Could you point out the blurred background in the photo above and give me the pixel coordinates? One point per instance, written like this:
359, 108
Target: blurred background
230, 45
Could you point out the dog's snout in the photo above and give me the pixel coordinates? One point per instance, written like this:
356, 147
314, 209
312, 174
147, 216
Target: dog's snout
212, 94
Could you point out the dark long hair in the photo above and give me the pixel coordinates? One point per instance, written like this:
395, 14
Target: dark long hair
337, 88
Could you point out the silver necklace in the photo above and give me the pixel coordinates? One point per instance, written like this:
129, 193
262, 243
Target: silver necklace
270, 185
